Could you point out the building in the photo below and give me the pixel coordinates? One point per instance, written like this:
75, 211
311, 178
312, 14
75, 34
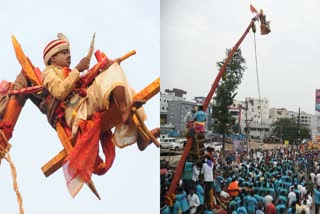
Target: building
177, 110
307, 120
254, 114
165, 98
277, 113
237, 110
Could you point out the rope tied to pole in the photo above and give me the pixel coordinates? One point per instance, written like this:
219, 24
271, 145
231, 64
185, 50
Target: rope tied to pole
258, 83
4, 151
4, 154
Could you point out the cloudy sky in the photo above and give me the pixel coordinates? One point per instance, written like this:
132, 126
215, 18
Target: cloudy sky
195, 35
132, 184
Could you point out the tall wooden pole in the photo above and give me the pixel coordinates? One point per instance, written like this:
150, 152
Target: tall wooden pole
223, 68
179, 170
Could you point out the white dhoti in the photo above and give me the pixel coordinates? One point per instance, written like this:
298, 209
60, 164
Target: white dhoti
98, 99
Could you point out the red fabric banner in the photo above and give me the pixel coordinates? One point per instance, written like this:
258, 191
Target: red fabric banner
252, 9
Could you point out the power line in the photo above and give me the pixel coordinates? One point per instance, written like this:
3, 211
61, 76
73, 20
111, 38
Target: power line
258, 82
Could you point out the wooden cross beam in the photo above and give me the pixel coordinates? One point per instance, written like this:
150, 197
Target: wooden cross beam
111, 118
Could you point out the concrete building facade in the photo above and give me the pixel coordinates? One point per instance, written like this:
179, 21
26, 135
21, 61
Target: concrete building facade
165, 98
253, 113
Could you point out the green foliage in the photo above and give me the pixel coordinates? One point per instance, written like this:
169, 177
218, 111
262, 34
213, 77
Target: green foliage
287, 129
226, 92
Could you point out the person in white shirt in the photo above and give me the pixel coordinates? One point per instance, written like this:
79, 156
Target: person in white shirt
193, 201
189, 118
207, 171
309, 199
224, 194
267, 199
195, 173
318, 178
312, 175
291, 197
305, 207
275, 163
303, 191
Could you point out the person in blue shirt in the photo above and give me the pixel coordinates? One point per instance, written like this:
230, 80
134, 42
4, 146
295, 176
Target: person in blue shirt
186, 177
233, 210
200, 193
258, 197
241, 209
175, 209
260, 209
277, 184
208, 210
181, 196
217, 184
250, 203
292, 208
283, 199
173, 206
233, 204
166, 210
281, 208
200, 119
317, 199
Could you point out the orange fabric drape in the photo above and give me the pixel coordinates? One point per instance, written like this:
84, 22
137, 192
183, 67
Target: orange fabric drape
109, 152
233, 189
84, 159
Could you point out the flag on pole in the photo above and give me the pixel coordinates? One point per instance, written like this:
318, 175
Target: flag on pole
252, 9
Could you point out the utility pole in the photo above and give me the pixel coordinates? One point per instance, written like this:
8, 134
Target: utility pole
239, 118
247, 127
298, 131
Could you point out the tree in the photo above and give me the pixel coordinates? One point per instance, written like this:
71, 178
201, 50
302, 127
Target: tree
226, 92
287, 129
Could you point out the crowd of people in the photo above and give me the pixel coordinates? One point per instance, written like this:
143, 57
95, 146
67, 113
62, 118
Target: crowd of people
285, 179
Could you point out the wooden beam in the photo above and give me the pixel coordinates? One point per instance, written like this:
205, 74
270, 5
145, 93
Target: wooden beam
111, 118
54, 164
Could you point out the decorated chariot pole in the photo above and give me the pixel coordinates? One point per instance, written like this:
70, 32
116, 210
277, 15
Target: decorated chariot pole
179, 170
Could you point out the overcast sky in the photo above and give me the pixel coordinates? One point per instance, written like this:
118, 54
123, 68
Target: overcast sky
196, 34
132, 184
